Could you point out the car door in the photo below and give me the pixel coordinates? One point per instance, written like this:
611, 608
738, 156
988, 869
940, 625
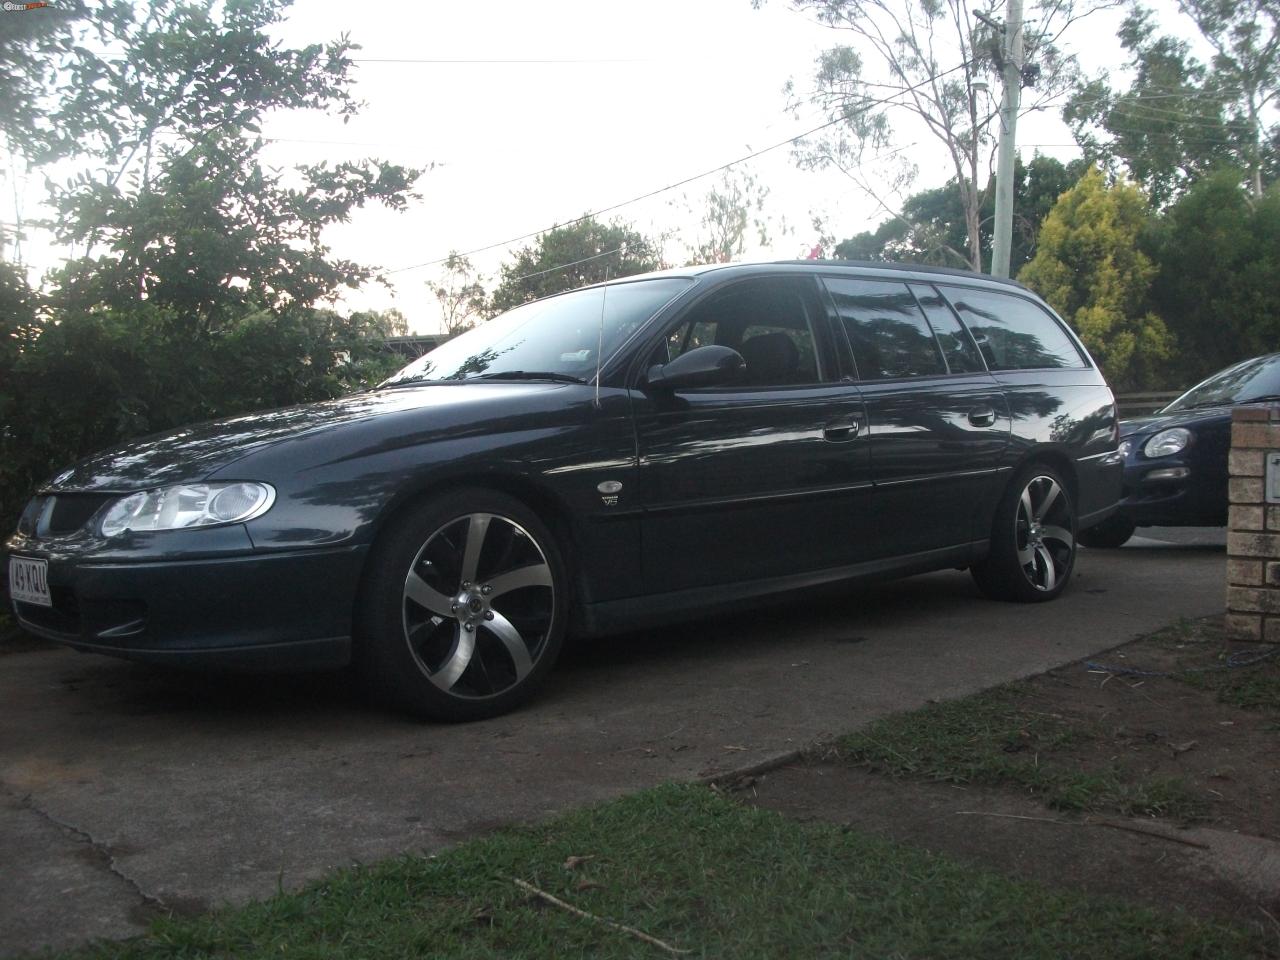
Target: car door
765, 476
937, 421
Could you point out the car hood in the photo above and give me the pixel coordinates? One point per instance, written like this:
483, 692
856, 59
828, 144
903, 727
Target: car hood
1183, 418
192, 453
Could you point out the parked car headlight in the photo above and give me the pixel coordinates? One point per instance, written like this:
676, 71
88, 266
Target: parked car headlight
188, 505
1167, 442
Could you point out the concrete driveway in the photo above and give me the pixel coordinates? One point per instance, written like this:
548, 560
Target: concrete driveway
125, 790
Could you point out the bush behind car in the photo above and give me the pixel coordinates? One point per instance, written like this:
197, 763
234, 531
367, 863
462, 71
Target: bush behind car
79, 382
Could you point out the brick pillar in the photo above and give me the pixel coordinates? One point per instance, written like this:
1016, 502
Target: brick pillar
1253, 538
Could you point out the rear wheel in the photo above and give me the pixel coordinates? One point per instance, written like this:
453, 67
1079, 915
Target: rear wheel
1112, 532
1033, 545
463, 614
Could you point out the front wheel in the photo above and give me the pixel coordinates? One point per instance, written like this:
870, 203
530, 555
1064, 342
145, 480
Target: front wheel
1033, 546
463, 613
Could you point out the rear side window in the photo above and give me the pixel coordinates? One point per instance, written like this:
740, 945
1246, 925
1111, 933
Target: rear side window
1013, 333
887, 332
957, 346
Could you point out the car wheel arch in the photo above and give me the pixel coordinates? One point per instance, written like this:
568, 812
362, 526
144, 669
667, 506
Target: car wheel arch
1056, 458
549, 508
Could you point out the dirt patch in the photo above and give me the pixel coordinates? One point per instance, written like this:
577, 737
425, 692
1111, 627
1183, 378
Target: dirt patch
1187, 726
1192, 869
1035, 778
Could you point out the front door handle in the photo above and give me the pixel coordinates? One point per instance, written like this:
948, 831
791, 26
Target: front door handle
841, 430
982, 416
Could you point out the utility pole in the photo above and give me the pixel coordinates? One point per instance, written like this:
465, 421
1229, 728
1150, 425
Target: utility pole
1002, 241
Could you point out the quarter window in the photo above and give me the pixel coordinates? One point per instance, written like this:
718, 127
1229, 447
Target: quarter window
887, 332
1012, 332
957, 346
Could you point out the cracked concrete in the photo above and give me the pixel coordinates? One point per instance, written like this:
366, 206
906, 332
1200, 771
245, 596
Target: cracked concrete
205, 790
101, 854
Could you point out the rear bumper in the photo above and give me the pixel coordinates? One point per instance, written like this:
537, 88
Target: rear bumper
289, 610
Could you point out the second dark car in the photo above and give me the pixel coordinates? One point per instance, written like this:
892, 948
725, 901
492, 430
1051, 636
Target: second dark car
611, 457
1175, 460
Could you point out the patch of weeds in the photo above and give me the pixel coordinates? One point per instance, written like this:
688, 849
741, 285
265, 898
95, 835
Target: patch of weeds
700, 872
989, 739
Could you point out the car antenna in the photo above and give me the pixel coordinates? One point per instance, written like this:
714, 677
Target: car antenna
604, 296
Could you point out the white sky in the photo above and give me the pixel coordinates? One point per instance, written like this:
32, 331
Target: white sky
654, 93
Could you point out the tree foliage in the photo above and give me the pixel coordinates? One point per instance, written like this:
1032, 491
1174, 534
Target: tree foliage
200, 283
1090, 269
459, 291
931, 226
580, 253
1182, 118
1218, 252
730, 211
922, 59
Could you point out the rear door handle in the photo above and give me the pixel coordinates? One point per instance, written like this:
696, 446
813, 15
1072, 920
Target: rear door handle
982, 416
841, 430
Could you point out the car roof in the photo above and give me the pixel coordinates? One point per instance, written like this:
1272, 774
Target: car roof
855, 267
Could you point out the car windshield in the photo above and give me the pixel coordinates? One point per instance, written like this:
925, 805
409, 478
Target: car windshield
555, 339
1256, 379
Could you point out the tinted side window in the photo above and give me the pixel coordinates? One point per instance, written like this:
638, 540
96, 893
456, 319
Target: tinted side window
887, 332
957, 346
1013, 333
764, 320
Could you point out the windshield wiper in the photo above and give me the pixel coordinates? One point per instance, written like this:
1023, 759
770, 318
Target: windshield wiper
529, 375
1265, 398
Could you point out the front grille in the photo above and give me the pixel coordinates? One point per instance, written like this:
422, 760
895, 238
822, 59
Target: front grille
71, 511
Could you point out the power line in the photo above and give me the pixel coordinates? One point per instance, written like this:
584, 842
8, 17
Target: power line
564, 266
867, 105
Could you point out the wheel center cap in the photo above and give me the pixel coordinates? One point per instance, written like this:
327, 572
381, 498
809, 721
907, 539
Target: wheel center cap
475, 605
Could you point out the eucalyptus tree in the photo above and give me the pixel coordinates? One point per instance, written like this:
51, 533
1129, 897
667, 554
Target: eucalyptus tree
915, 78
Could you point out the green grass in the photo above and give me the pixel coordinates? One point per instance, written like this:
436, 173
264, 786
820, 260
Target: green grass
699, 871
989, 739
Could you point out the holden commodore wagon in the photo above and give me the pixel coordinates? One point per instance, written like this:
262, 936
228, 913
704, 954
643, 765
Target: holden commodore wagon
609, 458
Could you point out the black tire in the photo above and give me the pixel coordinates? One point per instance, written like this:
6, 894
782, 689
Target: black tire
447, 645
1112, 532
1033, 547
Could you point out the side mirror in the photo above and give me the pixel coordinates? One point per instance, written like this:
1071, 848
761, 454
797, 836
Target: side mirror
701, 367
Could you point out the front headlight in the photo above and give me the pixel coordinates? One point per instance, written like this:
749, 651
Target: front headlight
1167, 442
188, 505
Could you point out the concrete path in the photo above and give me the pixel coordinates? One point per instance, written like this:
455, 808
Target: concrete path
125, 790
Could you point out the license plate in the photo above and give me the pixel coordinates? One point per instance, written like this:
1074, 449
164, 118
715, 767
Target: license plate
29, 581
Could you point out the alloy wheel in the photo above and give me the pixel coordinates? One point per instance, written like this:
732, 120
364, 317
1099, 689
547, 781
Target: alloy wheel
1042, 533
478, 605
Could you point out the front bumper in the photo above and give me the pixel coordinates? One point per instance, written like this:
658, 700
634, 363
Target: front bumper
286, 610
1187, 498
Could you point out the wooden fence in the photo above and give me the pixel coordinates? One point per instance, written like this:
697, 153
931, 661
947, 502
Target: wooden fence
1137, 404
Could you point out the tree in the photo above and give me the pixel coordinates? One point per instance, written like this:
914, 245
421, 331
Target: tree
931, 227
1218, 254
1181, 118
201, 276
579, 253
1090, 269
460, 293
924, 58
728, 212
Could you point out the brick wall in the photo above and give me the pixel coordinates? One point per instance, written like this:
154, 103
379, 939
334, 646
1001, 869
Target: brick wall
1253, 537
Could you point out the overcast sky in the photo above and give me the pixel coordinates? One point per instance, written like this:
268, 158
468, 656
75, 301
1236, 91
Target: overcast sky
595, 102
